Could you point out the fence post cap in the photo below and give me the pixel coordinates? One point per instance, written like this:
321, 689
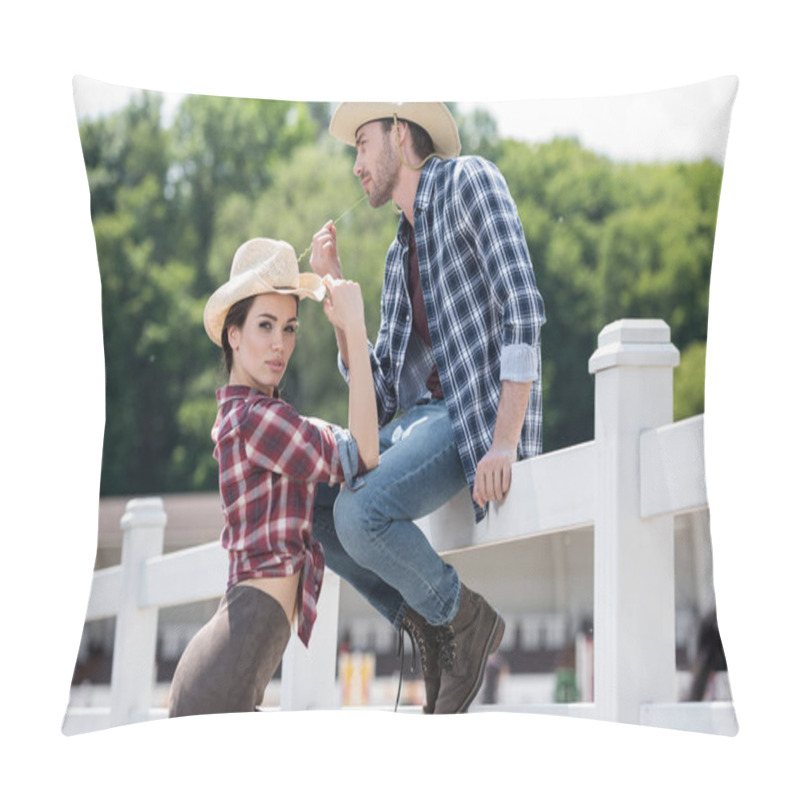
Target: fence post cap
634, 343
147, 512
634, 330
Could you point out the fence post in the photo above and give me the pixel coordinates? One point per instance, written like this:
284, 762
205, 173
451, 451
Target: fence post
142, 526
308, 676
634, 573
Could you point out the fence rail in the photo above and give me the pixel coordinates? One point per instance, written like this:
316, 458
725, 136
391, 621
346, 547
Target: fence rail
640, 470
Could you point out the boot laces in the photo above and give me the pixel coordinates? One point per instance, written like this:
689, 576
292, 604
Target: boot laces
417, 634
446, 636
401, 652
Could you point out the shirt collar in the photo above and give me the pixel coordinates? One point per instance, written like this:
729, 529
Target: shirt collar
426, 182
423, 197
237, 392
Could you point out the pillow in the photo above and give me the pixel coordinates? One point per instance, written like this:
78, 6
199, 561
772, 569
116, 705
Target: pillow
618, 198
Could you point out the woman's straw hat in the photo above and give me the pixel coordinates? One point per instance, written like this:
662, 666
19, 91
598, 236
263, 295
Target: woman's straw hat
260, 266
435, 118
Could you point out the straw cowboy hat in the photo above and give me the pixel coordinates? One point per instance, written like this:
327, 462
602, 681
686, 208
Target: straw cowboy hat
435, 118
259, 266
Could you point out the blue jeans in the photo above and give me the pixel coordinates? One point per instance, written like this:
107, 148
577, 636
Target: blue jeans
368, 533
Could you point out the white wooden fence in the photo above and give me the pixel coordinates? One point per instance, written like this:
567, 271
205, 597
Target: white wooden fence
640, 470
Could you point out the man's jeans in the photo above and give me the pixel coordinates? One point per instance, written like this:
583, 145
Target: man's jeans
368, 533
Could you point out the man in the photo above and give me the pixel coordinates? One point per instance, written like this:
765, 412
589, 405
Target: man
456, 365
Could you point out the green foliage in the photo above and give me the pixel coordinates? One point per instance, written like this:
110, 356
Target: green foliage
610, 241
690, 381
170, 205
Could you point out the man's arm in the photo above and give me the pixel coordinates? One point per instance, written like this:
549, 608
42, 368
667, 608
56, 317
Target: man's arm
501, 240
324, 261
493, 475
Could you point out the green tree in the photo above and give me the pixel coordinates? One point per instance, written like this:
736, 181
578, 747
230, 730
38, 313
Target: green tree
608, 241
146, 308
226, 146
690, 381
170, 205
310, 188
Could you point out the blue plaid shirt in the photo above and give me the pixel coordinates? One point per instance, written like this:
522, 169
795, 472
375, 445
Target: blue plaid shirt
483, 306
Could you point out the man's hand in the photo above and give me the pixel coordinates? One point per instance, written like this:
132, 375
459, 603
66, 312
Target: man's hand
324, 258
493, 476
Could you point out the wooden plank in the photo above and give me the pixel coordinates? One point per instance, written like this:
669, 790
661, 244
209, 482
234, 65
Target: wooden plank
186, 576
104, 598
549, 493
673, 479
715, 717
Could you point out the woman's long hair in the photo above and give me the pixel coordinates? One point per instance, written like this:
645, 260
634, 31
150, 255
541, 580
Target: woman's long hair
236, 316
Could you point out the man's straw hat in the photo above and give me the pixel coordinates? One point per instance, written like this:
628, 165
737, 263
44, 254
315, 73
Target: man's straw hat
260, 266
435, 118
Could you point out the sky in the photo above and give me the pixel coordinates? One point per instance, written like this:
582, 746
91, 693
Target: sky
680, 123
53, 387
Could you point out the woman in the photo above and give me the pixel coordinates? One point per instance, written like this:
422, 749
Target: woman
270, 460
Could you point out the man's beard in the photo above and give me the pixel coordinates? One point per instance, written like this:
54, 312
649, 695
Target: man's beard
385, 177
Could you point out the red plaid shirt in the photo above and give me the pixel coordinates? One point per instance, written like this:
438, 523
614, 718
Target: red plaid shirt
270, 461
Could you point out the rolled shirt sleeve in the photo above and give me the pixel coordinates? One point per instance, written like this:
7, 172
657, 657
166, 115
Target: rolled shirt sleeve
351, 463
519, 363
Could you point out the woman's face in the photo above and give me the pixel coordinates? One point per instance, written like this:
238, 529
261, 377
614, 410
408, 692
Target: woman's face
263, 346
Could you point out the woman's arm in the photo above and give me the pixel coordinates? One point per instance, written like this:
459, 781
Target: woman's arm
325, 262
344, 307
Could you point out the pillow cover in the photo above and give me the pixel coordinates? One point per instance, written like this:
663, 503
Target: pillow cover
618, 199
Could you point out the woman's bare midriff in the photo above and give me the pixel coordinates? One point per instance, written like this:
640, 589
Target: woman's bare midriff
284, 590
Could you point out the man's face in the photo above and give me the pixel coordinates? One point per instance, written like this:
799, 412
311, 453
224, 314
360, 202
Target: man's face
377, 163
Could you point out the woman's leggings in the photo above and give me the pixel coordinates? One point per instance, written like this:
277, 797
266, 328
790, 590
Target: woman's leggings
228, 664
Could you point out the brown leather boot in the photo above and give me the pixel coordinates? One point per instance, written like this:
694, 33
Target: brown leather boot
474, 633
427, 639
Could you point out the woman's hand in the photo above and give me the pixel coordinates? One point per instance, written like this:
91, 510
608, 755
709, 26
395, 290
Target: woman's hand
344, 305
